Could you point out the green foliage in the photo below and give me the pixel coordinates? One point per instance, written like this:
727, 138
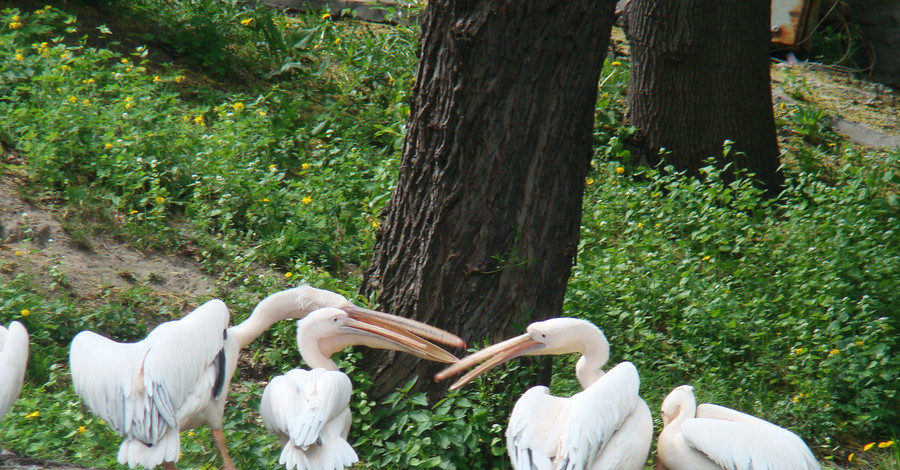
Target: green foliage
782, 308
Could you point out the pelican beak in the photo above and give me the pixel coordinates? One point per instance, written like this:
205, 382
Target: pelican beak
386, 331
492, 356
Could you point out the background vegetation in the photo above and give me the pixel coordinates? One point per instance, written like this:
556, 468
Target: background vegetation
264, 145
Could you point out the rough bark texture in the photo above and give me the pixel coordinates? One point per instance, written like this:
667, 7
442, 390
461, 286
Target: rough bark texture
700, 75
482, 229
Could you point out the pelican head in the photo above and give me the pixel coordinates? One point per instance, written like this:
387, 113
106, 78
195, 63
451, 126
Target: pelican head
676, 402
328, 330
548, 337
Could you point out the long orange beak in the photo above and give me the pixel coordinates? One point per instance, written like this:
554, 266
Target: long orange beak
492, 356
403, 334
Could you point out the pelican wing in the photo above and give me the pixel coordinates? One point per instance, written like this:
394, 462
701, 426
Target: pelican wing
139, 388
742, 442
13, 360
569, 433
301, 403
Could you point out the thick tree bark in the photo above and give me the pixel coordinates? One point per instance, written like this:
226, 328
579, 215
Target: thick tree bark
700, 76
482, 229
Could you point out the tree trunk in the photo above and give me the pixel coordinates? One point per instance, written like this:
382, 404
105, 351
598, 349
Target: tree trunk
699, 77
482, 228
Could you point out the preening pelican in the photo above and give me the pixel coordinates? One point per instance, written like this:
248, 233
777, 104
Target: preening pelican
309, 410
605, 426
721, 438
177, 377
13, 359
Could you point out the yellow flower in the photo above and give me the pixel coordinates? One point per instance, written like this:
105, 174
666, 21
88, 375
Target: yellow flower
615, 63
858, 342
86, 102
304, 166
88, 81
375, 224
337, 41
868, 446
124, 60
156, 79
620, 170
15, 18
706, 258
199, 120
128, 105
179, 79
261, 112
325, 16
19, 56
265, 199
82, 429
883, 444
191, 433
133, 212
39, 12
833, 352
273, 168
640, 225
160, 199
246, 21
33, 414
850, 457
306, 200
238, 107
15, 24
288, 274
107, 146
799, 351
18, 253
589, 181
25, 312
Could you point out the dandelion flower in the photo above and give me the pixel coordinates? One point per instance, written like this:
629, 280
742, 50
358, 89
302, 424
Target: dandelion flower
306, 200
833, 352
265, 199
706, 258
238, 107
199, 120
156, 79
620, 170
640, 225
33, 414
25, 312
160, 199
288, 274
246, 21
325, 16
179, 79
18, 253
133, 212
261, 113
19, 56
15, 24
82, 429
589, 181
799, 351
868, 446
884, 444
337, 41
107, 146
615, 63
850, 457
273, 168
304, 166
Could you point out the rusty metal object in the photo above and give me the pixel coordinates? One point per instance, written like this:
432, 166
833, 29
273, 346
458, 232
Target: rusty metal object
793, 21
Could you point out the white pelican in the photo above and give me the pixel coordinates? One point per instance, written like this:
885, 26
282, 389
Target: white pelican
721, 438
309, 409
605, 426
177, 377
13, 359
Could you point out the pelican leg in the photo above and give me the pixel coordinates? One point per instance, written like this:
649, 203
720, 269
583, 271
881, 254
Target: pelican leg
219, 439
169, 466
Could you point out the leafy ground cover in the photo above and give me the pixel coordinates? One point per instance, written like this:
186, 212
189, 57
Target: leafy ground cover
125, 126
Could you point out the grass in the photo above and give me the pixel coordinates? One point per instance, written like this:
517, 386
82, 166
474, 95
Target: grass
785, 309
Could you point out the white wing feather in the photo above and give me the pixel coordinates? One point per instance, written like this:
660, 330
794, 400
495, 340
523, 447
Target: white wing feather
739, 441
309, 411
140, 388
13, 361
547, 432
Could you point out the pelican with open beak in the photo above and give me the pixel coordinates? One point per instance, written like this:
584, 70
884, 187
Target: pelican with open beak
309, 409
